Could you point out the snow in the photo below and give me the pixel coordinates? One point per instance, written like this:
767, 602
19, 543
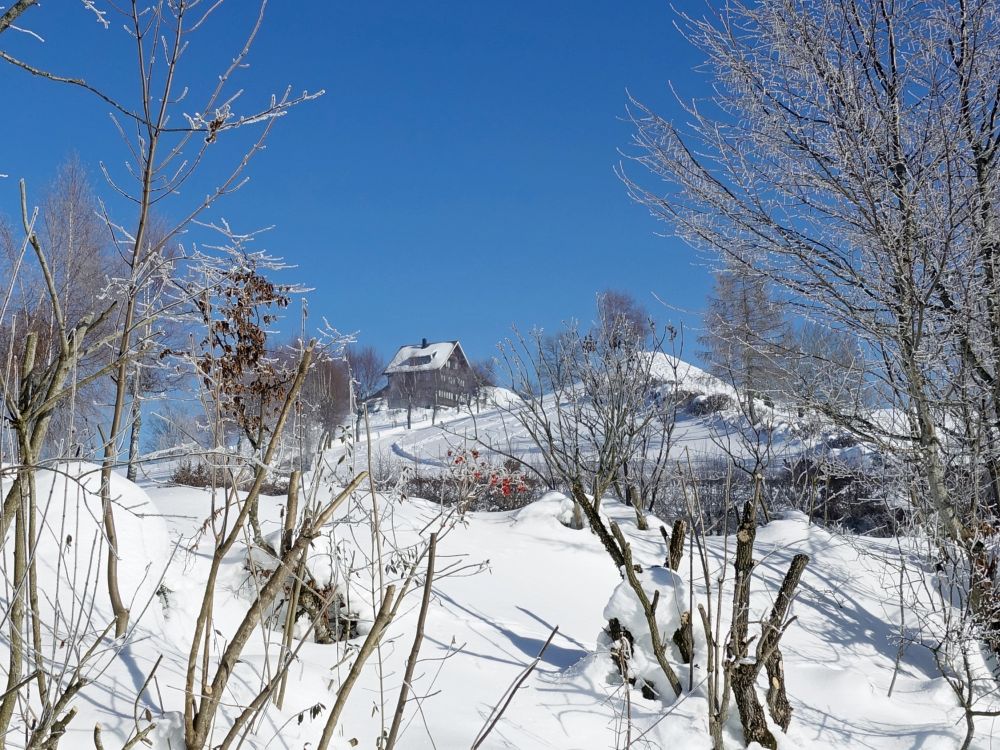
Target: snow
672, 370
72, 550
508, 579
552, 507
486, 625
696, 436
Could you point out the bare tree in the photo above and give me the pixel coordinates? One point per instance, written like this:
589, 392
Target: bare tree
367, 369
592, 426
620, 315
327, 395
80, 259
484, 372
555, 353
163, 153
484, 377
849, 155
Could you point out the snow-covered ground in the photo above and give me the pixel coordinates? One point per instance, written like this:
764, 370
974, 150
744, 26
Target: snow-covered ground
506, 581
515, 576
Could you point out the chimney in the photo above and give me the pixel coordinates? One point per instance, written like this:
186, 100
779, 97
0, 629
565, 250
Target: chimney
423, 344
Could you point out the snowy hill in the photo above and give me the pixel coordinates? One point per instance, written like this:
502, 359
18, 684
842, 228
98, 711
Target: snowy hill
709, 425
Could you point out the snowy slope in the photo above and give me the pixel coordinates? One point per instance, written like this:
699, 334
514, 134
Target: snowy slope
487, 621
698, 435
507, 580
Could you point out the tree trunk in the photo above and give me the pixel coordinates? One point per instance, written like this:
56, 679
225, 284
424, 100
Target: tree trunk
133, 441
684, 638
777, 698
751, 712
744, 670
677, 534
597, 525
16, 612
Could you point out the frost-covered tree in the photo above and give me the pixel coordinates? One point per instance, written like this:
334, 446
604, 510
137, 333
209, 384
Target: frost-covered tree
327, 395
80, 261
850, 153
821, 367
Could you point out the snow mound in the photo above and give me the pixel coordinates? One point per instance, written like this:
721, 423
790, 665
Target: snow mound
668, 369
551, 507
625, 607
501, 397
72, 549
169, 731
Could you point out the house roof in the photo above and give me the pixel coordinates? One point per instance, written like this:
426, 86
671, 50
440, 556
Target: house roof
423, 358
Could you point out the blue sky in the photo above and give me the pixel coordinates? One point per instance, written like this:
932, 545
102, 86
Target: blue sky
456, 178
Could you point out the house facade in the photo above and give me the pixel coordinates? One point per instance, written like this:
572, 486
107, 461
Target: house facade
429, 375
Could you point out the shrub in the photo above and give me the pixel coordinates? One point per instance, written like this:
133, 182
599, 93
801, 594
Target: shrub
711, 403
203, 474
474, 483
193, 474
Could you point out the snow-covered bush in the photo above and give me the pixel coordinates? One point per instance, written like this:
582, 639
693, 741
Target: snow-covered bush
330, 600
628, 637
552, 506
711, 403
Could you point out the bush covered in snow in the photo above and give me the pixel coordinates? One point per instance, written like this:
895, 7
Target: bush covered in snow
330, 597
711, 403
628, 638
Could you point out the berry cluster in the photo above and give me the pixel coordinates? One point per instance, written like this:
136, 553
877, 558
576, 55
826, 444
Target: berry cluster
472, 469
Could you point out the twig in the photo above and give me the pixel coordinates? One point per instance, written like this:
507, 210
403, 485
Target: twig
495, 715
374, 637
418, 638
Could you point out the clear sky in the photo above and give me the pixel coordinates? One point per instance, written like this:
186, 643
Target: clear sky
456, 178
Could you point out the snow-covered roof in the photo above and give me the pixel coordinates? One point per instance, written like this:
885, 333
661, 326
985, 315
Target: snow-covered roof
423, 358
